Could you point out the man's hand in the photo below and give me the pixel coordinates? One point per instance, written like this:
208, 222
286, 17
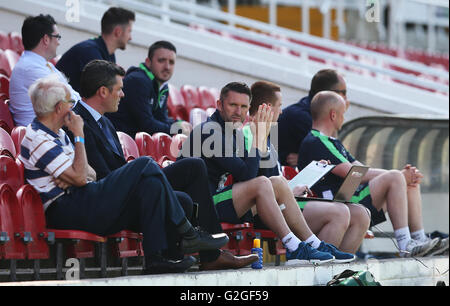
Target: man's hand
302, 191
412, 175
61, 183
74, 123
260, 126
91, 175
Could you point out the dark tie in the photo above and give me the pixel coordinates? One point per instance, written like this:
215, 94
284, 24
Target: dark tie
107, 132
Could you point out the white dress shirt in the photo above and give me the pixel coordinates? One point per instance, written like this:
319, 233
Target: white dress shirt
30, 67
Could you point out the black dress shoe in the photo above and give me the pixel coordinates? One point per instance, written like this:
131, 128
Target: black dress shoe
163, 265
199, 240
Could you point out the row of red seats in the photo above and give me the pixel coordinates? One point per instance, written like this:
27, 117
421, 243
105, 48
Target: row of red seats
424, 57
436, 62
182, 101
12, 41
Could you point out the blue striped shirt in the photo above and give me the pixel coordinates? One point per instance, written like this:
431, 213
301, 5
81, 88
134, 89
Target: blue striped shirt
45, 155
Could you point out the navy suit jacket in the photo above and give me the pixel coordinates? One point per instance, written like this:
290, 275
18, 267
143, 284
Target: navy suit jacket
100, 154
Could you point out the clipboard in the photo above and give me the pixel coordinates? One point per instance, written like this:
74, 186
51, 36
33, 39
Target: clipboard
310, 175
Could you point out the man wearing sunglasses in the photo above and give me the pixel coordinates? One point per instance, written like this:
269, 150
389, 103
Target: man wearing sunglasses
40, 37
295, 122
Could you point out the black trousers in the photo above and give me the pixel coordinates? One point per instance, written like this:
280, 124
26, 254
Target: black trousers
136, 196
190, 176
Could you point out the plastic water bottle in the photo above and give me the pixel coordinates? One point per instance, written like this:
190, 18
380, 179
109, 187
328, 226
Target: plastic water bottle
257, 250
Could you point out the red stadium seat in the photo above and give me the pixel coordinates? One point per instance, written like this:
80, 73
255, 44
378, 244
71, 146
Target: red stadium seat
78, 244
236, 233
176, 145
191, 97
176, 104
145, 144
4, 64
207, 97
34, 226
289, 172
125, 244
12, 236
15, 42
162, 143
12, 58
21, 168
7, 146
4, 41
17, 135
6, 120
4, 85
8, 60
10, 172
129, 147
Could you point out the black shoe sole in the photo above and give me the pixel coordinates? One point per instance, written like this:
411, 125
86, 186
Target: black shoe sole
180, 267
205, 246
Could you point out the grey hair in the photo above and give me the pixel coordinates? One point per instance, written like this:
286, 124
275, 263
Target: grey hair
45, 93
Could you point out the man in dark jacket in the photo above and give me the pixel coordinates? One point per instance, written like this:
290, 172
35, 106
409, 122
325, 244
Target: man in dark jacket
295, 122
144, 107
116, 27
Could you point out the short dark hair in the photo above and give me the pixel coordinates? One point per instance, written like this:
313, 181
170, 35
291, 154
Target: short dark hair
34, 28
325, 79
263, 92
98, 73
238, 87
162, 44
115, 16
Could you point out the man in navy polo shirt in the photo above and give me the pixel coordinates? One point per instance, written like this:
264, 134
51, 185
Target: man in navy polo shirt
295, 121
117, 24
394, 191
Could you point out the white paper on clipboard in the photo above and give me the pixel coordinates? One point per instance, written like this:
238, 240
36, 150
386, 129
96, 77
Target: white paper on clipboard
310, 174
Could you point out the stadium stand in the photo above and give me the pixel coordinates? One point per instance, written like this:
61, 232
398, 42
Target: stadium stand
23, 231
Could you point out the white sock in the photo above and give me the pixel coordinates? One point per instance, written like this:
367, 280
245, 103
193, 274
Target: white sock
290, 242
419, 235
403, 237
313, 241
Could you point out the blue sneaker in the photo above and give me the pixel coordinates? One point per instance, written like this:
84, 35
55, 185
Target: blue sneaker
306, 254
340, 257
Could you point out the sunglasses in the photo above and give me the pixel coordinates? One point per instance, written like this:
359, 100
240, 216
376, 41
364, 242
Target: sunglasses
343, 92
57, 36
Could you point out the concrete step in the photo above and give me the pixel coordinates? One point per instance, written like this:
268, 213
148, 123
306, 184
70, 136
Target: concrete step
425, 271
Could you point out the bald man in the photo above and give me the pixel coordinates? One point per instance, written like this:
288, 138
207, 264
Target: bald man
394, 191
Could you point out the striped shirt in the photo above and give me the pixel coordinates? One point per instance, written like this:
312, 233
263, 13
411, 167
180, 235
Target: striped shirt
45, 155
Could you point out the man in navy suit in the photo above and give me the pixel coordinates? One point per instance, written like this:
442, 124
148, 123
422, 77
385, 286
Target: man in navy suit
187, 177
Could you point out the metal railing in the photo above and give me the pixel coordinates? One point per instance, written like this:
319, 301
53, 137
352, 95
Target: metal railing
391, 142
